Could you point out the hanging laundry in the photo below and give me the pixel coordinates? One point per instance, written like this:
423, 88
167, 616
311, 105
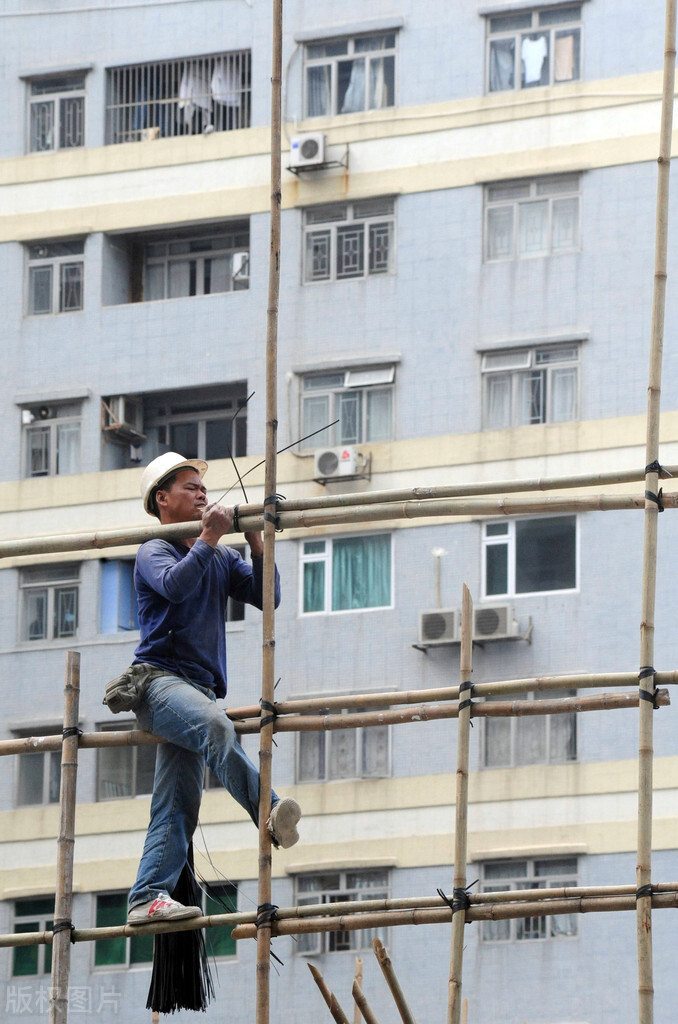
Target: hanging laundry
225, 84
194, 91
533, 53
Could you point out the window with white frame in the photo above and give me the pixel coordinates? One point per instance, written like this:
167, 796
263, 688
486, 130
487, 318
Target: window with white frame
523, 386
34, 914
531, 739
510, 875
49, 602
345, 574
360, 400
56, 112
201, 423
338, 887
349, 240
189, 96
529, 556
122, 951
346, 76
351, 753
119, 608
532, 48
51, 437
56, 272
124, 772
532, 218
39, 773
205, 263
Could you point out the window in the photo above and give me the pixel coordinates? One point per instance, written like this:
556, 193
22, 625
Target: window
119, 610
361, 400
345, 76
361, 753
346, 574
178, 97
337, 887
346, 240
202, 265
56, 112
39, 774
220, 899
201, 423
32, 915
530, 385
532, 218
507, 875
541, 739
123, 951
56, 273
528, 556
124, 771
49, 602
532, 48
51, 439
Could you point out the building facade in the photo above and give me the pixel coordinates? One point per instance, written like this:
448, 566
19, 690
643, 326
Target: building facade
466, 288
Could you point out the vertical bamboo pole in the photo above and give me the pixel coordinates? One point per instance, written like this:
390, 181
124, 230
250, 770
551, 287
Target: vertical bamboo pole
268, 656
647, 683
63, 902
461, 808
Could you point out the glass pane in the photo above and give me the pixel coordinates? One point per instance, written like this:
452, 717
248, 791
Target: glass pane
111, 910
496, 569
498, 401
318, 85
342, 754
502, 64
145, 757
182, 278
361, 573
366, 44
223, 901
72, 127
42, 126
563, 395
506, 22
350, 417
115, 772
497, 742
218, 439
37, 451
531, 398
534, 58
565, 226
140, 949
54, 764
530, 740
25, 958
379, 426
566, 58
317, 261
316, 415
314, 587
331, 48
68, 448
35, 614
311, 756
217, 275
70, 287
560, 15
499, 232
39, 290
65, 612
563, 738
533, 228
184, 439
496, 530
155, 282
31, 775
545, 554
382, 83
375, 751
350, 252
380, 248
350, 86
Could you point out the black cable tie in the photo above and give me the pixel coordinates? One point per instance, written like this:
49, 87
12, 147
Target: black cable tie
656, 498
645, 671
71, 731
468, 702
236, 519
460, 898
656, 467
63, 926
643, 891
273, 499
266, 914
271, 717
652, 697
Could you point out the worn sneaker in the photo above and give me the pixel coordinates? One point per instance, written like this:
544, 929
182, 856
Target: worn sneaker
282, 824
162, 908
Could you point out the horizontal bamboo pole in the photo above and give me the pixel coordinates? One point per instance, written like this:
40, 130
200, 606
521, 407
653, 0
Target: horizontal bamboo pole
368, 719
375, 513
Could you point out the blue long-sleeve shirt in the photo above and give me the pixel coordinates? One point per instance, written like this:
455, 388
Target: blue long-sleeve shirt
182, 594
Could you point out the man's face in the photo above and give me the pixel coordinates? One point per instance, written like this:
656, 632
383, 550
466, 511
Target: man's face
185, 500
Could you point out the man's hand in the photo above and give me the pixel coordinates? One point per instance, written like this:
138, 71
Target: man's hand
216, 521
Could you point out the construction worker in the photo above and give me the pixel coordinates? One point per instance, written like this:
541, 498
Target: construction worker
182, 589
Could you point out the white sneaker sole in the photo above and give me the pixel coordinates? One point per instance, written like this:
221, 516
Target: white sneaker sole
283, 821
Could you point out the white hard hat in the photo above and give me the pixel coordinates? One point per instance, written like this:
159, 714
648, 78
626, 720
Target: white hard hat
164, 466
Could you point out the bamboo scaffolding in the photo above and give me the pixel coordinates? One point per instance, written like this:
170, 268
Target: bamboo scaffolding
388, 970
268, 626
377, 512
647, 681
329, 997
464, 709
359, 979
363, 1005
63, 901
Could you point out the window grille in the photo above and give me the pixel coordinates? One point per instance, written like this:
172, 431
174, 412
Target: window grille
188, 96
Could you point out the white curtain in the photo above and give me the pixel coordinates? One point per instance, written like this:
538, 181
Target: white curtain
354, 97
379, 415
502, 64
68, 448
533, 227
563, 395
498, 401
318, 91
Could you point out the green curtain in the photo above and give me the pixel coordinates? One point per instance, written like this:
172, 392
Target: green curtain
361, 572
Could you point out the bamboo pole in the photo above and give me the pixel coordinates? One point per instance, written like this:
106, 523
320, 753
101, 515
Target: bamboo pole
268, 628
329, 997
388, 970
363, 1005
461, 807
63, 903
647, 681
464, 1012
377, 512
359, 979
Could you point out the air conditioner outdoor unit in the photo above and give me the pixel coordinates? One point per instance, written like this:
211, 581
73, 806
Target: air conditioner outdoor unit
331, 463
439, 626
307, 150
123, 416
494, 622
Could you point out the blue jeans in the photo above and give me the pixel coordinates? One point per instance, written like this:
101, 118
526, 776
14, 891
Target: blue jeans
199, 733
